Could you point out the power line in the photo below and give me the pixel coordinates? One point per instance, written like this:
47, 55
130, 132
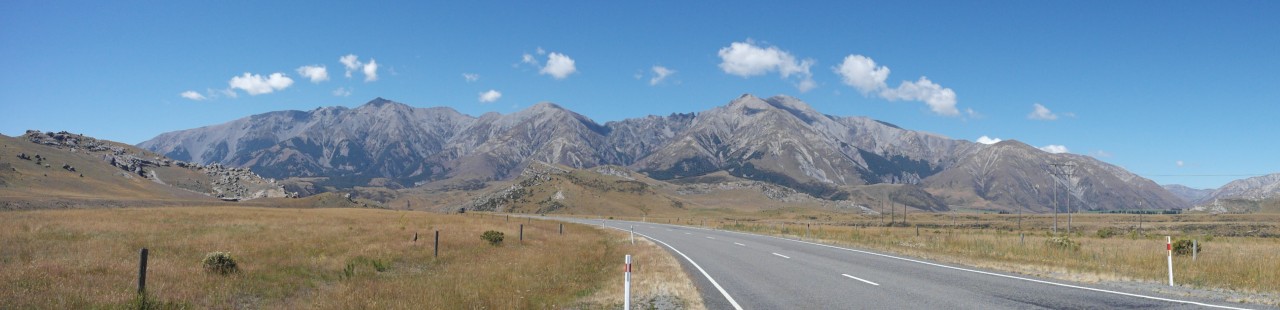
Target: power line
1205, 175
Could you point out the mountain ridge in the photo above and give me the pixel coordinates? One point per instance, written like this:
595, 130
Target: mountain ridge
781, 140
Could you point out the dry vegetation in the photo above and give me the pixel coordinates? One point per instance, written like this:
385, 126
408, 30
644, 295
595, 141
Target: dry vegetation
320, 258
1239, 252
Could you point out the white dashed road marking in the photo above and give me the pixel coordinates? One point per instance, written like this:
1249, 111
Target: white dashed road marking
782, 256
859, 279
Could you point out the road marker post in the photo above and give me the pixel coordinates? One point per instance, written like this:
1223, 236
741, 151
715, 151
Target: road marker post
1169, 245
633, 234
1194, 247
626, 286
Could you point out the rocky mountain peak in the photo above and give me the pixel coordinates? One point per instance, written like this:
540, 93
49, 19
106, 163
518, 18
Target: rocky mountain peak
546, 106
381, 103
749, 102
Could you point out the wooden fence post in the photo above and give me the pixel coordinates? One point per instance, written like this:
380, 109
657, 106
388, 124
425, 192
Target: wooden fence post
142, 273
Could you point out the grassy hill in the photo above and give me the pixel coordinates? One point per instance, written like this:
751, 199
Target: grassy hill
64, 170
43, 182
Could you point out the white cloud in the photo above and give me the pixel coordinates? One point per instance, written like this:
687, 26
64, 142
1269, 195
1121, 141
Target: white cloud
317, 73
862, 73
229, 92
470, 77
342, 92
541, 51
806, 84
559, 66
1039, 112
746, 59
973, 114
256, 84
660, 73
371, 70
528, 59
490, 96
1180, 163
1054, 148
351, 62
940, 100
193, 95
988, 140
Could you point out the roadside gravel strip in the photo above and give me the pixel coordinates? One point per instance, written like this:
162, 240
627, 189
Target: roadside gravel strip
765, 272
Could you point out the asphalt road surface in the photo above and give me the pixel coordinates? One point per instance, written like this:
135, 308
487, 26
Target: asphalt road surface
747, 271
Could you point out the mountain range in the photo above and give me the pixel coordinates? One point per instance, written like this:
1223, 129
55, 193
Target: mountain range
779, 140
1253, 188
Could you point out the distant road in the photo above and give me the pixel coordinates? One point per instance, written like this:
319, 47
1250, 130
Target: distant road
746, 271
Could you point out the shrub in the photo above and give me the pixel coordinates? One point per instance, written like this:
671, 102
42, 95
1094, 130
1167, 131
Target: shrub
220, 263
1107, 232
1183, 247
494, 237
1063, 243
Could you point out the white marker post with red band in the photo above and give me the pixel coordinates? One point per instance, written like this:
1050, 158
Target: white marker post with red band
626, 288
1169, 246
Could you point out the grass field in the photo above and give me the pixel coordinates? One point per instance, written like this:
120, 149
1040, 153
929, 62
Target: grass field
1239, 253
320, 258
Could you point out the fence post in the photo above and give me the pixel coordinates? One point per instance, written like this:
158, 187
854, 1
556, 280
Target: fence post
626, 287
561, 228
437, 246
142, 273
521, 233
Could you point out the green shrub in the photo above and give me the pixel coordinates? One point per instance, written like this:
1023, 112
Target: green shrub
1062, 243
494, 237
1183, 247
220, 263
380, 266
1107, 232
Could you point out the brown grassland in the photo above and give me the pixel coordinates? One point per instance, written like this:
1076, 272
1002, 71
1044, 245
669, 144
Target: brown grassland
1240, 253
321, 258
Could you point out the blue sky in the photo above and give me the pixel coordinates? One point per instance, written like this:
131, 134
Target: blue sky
1179, 92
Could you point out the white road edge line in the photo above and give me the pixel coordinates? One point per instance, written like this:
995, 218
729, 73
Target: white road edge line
695, 265
712, 238
739, 244
1001, 275
859, 279
782, 256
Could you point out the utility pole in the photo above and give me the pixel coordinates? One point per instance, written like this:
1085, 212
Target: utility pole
1067, 170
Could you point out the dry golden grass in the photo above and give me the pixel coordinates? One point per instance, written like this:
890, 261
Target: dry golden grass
1231, 258
312, 258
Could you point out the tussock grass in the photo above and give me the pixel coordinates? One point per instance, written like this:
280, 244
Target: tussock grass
313, 258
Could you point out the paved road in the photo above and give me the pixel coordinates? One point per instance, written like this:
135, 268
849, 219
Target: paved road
746, 271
